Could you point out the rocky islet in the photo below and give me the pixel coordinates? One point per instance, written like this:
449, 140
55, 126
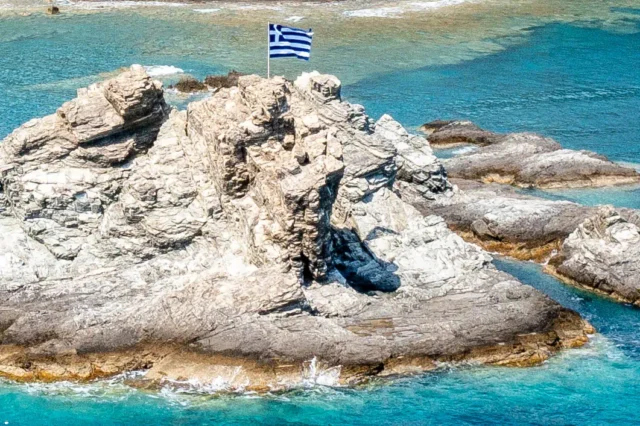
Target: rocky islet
257, 231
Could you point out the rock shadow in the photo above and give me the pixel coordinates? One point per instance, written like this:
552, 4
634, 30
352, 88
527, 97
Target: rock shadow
363, 270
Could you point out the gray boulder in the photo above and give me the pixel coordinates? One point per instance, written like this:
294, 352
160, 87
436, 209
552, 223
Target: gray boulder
596, 248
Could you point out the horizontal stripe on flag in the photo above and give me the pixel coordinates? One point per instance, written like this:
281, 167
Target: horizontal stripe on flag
300, 53
292, 34
276, 46
303, 40
288, 34
289, 55
292, 30
284, 29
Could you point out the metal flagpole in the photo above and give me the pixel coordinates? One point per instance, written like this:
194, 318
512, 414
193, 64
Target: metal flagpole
268, 50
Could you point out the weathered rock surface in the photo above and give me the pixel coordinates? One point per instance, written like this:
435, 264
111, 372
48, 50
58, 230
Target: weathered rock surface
223, 81
502, 220
525, 159
603, 253
190, 84
447, 133
596, 248
241, 239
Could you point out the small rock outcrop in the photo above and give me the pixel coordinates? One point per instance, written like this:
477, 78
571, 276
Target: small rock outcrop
241, 239
596, 248
502, 220
189, 84
602, 254
223, 81
448, 133
524, 159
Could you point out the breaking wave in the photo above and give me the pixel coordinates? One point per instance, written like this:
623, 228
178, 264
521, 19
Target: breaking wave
294, 18
382, 12
464, 150
162, 70
313, 375
206, 10
94, 5
394, 11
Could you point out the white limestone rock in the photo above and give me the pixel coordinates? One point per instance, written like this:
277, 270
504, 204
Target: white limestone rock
603, 253
260, 224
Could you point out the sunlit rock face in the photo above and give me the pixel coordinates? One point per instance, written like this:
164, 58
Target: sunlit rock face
524, 159
262, 224
603, 254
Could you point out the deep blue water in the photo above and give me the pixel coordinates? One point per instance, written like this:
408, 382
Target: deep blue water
578, 85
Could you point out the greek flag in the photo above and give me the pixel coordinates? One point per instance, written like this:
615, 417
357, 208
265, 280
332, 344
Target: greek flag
287, 42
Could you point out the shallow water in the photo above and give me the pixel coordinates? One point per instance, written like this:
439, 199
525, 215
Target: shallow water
565, 69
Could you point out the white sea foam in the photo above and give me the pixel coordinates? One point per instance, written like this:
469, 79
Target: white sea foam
295, 18
464, 150
394, 12
112, 388
425, 5
381, 12
206, 10
313, 375
121, 4
193, 386
162, 70
255, 7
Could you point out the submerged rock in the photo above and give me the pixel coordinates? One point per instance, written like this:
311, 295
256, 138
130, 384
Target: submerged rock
243, 238
190, 85
525, 159
223, 81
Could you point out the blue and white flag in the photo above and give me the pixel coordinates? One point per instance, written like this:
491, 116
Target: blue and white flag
288, 42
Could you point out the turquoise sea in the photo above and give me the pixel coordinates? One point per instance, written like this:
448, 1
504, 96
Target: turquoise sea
571, 72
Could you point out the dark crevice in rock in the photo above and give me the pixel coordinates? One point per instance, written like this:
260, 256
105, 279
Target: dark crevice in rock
362, 269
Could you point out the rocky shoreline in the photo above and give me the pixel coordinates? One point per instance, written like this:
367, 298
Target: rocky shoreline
175, 365
594, 248
258, 231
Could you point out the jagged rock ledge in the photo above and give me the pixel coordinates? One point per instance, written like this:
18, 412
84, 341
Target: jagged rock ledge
594, 248
602, 255
189, 84
178, 367
523, 159
243, 238
500, 219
